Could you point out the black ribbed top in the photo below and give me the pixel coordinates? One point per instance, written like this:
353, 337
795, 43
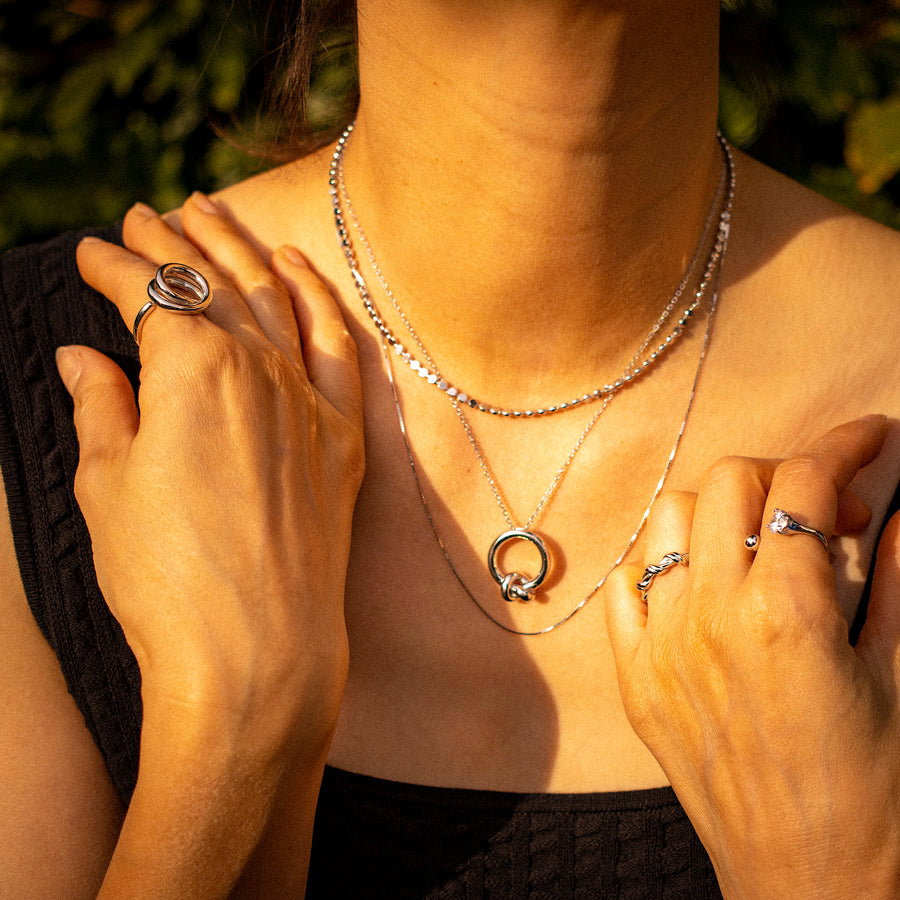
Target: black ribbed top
43, 305
380, 839
373, 838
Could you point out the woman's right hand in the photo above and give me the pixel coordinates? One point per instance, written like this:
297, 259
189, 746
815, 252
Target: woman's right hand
220, 517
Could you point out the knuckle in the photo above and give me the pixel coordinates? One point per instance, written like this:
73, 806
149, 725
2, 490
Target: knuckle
763, 620
278, 372
673, 504
213, 353
809, 467
267, 289
639, 708
781, 609
705, 633
340, 345
208, 362
82, 482
87, 482
730, 473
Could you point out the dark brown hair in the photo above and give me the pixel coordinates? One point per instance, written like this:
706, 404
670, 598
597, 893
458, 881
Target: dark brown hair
312, 83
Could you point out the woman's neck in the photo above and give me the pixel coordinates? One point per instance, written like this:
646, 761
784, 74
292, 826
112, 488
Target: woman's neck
533, 176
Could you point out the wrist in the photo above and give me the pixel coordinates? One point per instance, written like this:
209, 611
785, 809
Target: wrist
246, 709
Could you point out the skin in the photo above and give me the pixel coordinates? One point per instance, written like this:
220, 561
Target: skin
588, 174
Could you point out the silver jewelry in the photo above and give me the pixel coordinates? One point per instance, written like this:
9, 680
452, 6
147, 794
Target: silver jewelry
669, 560
430, 371
176, 288
751, 542
631, 541
514, 585
784, 523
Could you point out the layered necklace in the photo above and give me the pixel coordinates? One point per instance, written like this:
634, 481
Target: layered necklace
515, 586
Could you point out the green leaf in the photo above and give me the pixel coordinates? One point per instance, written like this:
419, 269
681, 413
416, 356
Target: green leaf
873, 143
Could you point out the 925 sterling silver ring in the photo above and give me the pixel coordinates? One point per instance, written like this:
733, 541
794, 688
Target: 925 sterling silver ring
177, 288
669, 560
784, 523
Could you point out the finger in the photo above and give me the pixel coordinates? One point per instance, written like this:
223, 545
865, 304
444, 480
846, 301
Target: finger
807, 487
207, 226
122, 276
106, 417
150, 236
729, 508
626, 616
668, 530
880, 635
328, 349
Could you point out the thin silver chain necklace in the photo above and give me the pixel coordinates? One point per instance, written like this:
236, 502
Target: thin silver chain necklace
514, 585
430, 372
631, 541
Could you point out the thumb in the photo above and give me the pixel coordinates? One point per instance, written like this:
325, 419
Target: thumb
106, 417
880, 636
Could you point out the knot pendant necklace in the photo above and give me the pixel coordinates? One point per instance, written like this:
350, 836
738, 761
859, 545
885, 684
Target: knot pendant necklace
516, 586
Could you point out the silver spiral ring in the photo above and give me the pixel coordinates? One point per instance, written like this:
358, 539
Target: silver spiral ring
175, 288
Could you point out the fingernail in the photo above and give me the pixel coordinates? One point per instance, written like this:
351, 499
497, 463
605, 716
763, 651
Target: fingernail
874, 417
143, 210
69, 366
90, 239
293, 256
203, 203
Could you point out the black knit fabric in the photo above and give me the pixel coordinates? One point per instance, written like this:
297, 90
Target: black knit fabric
381, 839
43, 305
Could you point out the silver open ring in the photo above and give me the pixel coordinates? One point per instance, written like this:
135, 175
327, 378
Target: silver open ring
784, 523
669, 560
176, 288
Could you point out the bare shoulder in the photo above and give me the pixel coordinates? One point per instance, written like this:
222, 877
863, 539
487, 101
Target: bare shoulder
838, 253
59, 813
823, 284
288, 204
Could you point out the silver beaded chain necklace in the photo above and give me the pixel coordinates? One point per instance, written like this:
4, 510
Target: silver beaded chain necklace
631, 541
429, 370
515, 586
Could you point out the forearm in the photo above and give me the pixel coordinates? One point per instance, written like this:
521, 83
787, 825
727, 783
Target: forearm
218, 817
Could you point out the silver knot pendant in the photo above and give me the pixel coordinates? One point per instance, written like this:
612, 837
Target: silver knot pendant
514, 585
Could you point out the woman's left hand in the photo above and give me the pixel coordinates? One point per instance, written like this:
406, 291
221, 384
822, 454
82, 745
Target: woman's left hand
781, 740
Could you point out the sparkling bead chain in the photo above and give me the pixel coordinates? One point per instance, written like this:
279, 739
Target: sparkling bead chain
561, 472
430, 371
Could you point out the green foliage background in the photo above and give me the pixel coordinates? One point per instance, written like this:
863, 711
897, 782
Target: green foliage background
104, 102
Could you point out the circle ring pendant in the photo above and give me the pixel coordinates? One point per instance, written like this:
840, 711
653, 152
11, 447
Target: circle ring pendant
513, 585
